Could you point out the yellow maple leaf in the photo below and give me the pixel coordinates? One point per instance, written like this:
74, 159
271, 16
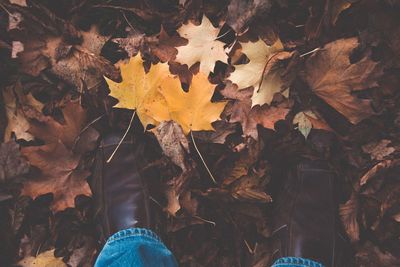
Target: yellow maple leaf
202, 47
139, 90
259, 72
44, 259
193, 110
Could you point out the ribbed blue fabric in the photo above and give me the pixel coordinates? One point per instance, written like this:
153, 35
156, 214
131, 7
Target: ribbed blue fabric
135, 247
140, 247
296, 262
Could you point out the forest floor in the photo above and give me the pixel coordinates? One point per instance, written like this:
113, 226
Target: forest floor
225, 96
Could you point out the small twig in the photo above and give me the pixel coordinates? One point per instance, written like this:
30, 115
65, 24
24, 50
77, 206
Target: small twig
201, 157
127, 21
84, 129
222, 35
310, 52
123, 137
6, 10
251, 250
230, 47
204, 220
155, 201
38, 250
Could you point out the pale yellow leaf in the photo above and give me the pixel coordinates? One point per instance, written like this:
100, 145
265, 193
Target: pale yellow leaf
259, 72
304, 124
271, 84
202, 47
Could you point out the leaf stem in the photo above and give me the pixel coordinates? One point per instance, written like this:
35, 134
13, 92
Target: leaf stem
310, 52
264, 70
222, 35
123, 137
202, 159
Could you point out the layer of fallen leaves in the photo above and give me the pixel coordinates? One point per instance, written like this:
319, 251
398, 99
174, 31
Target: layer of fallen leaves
226, 95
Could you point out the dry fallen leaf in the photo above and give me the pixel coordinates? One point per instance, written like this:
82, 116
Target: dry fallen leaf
304, 125
19, 108
307, 120
59, 174
243, 182
193, 110
333, 78
164, 47
11, 162
51, 131
242, 112
140, 90
132, 43
58, 164
260, 72
379, 150
271, 84
18, 2
202, 47
44, 259
17, 122
79, 64
242, 12
173, 205
173, 142
381, 166
349, 216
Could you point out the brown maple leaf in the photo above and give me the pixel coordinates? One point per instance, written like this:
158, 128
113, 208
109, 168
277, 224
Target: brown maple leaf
334, 78
60, 173
242, 112
165, 47
242, 12
52, 131
45, 41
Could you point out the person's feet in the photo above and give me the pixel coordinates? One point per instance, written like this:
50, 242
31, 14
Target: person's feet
306, 213
118, 187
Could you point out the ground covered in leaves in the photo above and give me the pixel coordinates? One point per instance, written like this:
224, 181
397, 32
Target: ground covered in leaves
225, 95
